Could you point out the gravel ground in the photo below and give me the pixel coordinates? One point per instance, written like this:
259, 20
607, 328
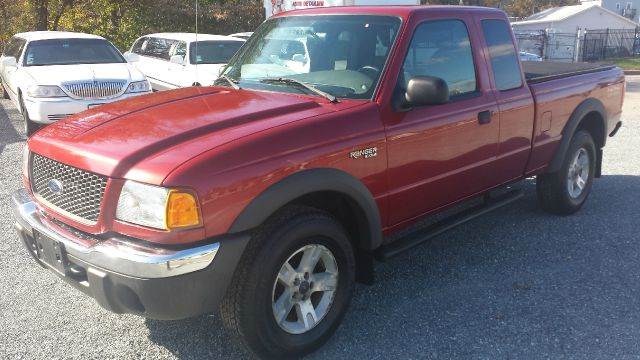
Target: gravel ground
517, 283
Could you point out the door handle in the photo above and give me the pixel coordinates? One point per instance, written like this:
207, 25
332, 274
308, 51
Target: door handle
484, 117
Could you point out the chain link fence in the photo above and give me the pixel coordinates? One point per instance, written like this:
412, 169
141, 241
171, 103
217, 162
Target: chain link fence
585, 45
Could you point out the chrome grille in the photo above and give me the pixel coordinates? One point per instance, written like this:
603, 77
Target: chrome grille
57, 117
81, 191
99, 89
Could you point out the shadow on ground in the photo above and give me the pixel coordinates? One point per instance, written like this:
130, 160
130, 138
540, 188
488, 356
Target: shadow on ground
8, 133
515, 283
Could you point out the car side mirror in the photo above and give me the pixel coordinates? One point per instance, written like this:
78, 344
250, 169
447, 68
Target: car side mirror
177, 59
299, 58
426, 90
9, 61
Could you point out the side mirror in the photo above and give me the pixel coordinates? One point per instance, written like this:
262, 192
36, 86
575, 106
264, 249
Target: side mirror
299, 58
131, 57
426, 90
177, 59
9, 61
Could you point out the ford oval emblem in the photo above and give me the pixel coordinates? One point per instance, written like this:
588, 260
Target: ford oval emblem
55, 186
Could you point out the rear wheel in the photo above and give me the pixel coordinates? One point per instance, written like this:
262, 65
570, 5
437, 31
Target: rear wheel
30, 127
292, 286
565, 191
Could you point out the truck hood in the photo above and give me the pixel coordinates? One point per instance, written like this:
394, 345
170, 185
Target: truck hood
146, 137
57, 74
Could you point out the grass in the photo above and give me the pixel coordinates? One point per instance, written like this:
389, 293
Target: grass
628, 64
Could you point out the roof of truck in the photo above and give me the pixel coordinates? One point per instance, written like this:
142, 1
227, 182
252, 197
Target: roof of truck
403, 11
49, 35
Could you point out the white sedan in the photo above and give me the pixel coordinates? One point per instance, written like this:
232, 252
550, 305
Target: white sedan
51, 75
175, 60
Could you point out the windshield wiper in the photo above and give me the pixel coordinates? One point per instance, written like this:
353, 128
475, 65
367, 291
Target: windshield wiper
232, 82
298, 83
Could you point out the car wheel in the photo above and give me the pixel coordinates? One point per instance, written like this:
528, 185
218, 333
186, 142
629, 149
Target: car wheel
5, 94
565, 191
30, 127
292, 286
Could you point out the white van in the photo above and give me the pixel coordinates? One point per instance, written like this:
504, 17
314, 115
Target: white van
174, 60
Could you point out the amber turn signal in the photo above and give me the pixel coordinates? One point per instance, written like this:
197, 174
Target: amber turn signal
182, 210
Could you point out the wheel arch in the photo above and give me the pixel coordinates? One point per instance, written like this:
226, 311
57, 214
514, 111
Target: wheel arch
591, 116
334, 191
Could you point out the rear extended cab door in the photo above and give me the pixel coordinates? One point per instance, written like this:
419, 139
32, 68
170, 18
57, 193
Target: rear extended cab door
513, 96
440, 154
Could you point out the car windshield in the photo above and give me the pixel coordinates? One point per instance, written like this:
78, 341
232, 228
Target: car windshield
341, 55
71, 52
213, 52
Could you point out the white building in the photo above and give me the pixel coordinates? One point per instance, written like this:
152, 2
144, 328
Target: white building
569, 19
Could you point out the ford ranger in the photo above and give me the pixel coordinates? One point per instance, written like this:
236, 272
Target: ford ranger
268, 195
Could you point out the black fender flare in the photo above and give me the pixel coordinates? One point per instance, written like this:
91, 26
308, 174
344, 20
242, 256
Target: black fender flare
587, 106
306, 182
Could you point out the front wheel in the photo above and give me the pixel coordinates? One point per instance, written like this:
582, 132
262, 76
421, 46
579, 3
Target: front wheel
5, 94
565, 191
30, 127
292, 286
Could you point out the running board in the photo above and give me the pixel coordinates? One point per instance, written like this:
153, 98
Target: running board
411, 240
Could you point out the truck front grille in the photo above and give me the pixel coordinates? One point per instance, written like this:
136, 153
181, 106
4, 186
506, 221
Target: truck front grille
93, 90
68, 189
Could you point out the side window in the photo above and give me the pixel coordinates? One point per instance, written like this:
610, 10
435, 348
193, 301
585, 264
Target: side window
504, 58
180, 48
158, 48
138, 46
441, 48
11, 48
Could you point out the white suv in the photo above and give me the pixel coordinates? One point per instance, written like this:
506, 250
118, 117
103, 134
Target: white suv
50, 75
175, 60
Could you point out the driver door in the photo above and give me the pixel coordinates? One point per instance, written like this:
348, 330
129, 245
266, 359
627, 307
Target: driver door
439, 154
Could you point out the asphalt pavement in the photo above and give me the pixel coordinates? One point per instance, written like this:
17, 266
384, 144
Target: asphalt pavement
515, 284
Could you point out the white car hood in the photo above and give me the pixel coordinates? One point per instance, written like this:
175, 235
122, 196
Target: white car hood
58, 74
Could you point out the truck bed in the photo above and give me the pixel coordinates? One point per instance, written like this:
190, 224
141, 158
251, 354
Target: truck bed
541, 71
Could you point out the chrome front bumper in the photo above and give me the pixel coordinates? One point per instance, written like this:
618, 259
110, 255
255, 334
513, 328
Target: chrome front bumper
113, 254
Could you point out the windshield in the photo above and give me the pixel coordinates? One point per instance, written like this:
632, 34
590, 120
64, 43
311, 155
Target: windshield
71, 52
340, 55
213, 52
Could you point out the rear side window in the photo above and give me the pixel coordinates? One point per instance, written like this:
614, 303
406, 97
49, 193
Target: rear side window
441, 48
217, 52
504, 59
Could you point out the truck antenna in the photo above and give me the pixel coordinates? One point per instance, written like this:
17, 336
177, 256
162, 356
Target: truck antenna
195, 69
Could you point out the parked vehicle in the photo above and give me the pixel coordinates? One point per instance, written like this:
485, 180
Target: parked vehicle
242, 35
270, 194
175, 60
51, 75
525, 56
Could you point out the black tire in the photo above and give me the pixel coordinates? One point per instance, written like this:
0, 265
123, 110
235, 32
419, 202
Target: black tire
552, 188
30, 127
247, 311
5, 94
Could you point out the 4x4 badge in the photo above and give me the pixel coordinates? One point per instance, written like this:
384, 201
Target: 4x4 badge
364, 153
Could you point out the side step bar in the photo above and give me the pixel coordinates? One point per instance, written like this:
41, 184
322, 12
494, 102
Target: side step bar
416, 238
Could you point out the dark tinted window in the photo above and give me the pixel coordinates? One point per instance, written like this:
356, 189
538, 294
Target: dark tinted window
157, 48
504, 58
441, 48
137, 46
71, 51
213, 52
14, 47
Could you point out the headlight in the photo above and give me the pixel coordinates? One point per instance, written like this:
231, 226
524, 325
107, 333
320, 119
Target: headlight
41, 91
157, 207
139, 87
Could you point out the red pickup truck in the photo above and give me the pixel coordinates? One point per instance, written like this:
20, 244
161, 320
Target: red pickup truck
325, 140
